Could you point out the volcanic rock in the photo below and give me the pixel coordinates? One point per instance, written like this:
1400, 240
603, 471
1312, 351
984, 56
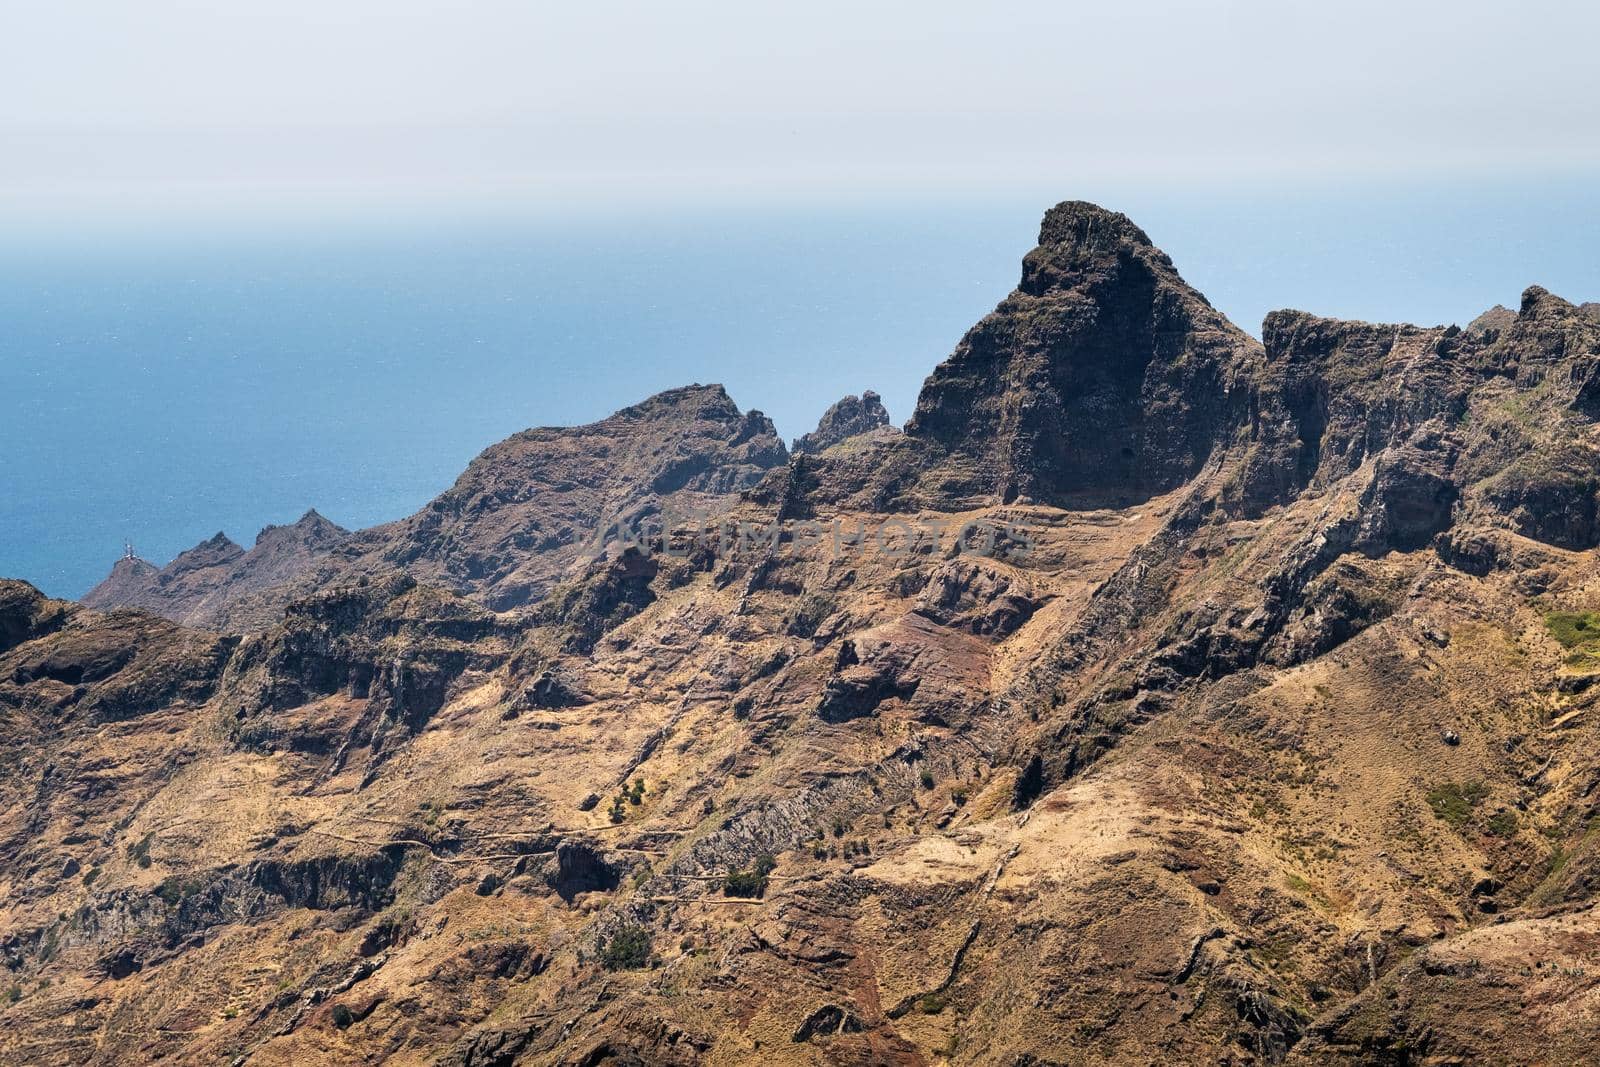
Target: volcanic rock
850, 417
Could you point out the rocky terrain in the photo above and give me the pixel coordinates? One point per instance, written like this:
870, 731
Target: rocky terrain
850, 417
521, 514
1158, 695
209, 584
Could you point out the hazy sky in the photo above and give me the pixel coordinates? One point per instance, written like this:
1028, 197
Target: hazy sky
189, 103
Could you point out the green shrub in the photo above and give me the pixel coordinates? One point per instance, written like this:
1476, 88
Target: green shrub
1503, 823
1453, 801
1574, 629
628, 949
744, 884
343, 1016
751, 883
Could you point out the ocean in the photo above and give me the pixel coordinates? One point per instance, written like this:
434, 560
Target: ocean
158, 384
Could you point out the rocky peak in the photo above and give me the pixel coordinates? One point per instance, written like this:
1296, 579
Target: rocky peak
217, 550
685, 402
695, 433
206, 585
129, 580
531, 506
1080, 224
1537, 301
311, 529
25, 614
522, 513
134, 567
170, 590
1103, 378
850, 417
1494, 321
1495, 421
1548, 333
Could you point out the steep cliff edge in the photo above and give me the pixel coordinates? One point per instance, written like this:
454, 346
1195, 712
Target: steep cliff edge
1103, 378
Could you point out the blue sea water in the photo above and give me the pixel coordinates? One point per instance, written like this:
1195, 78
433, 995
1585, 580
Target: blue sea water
160, 384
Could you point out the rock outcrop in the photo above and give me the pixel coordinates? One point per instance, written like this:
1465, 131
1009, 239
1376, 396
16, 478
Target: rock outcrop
851, 417
536, 503
131, 581
1103, 379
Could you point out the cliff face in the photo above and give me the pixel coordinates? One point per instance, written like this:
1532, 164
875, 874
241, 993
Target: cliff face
1493, 424
1102, 379
1264, 733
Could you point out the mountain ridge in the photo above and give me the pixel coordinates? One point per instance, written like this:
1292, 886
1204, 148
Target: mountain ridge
1265, 735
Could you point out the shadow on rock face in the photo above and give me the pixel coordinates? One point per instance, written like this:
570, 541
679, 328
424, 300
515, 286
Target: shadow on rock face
582, 868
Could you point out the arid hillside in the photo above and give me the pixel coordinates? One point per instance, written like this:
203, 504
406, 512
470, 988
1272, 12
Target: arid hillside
1156, 695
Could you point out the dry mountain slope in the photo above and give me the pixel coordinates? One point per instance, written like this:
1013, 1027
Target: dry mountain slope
1264, 736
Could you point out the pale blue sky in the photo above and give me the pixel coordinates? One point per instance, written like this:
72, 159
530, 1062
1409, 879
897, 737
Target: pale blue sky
188, 104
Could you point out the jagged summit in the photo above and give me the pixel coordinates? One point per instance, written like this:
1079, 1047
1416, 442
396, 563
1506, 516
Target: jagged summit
216, 547
310, 528
1494, 320
1537, 299
528, 507
1103, 378
710, 399
850, 417
217, 582
1081, 223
